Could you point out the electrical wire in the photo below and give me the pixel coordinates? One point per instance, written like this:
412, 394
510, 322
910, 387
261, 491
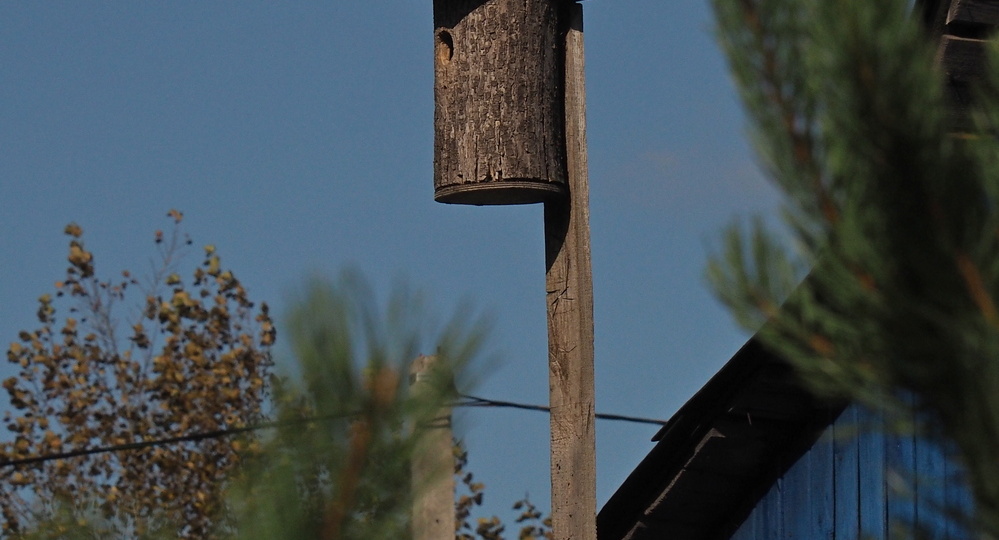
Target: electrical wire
466, 401
191, 437
474, 401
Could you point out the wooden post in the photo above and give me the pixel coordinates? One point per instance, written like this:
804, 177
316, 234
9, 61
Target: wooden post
569, 287
433, 465
510, 128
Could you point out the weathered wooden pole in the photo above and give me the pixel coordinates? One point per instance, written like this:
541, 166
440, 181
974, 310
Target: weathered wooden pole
510, 128
569, 286
433, 464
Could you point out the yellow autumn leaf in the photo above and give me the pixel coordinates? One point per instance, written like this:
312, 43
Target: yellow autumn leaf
78, 255
214, 266
73, 230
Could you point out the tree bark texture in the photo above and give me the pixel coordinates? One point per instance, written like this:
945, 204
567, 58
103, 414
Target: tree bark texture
498, 120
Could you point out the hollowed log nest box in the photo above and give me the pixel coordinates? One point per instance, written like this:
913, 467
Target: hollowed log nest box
499, 113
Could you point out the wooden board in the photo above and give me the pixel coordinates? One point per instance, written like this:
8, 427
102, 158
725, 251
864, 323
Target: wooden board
844, 484
846, 455
569, 298
872, 505
961, 59
901, 475
930, 488
432, 465
976, 12
822, 489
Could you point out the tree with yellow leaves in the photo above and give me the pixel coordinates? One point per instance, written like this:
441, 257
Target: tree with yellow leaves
333, 461
194, 358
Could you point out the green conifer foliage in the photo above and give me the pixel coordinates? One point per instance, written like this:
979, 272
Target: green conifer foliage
106, 368
338, 466
894, 218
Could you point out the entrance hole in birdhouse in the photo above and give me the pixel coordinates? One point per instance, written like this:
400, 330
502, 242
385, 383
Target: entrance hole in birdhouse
445, 47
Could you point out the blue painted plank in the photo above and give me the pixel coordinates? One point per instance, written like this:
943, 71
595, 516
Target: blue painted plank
764, 521
795, 505
901, 473
821, 488
930, 483
860, 477
957, 497
771, 524
750, 528
846, 475
872, 505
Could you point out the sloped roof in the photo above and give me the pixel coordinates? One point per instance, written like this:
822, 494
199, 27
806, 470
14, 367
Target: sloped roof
722, 450
719, 453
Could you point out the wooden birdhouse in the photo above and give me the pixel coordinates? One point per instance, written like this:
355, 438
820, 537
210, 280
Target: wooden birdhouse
499, 114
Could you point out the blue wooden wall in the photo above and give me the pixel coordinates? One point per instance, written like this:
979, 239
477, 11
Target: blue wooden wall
862, 481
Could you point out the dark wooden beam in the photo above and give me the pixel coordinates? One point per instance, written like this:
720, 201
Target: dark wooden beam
962, 59
975, 12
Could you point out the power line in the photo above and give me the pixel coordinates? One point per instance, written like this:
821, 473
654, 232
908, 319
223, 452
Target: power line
132, 445
191, 437
474, 401
466, 401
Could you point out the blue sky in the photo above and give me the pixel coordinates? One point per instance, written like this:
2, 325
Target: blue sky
297, 138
